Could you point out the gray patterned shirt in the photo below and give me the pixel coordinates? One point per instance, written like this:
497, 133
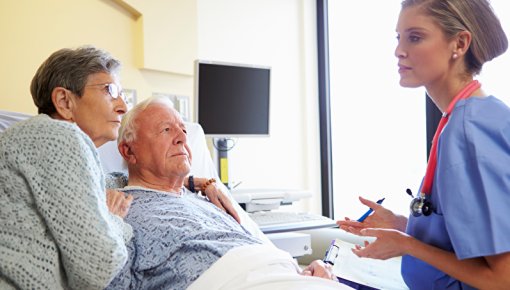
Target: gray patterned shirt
176, 238
55, 229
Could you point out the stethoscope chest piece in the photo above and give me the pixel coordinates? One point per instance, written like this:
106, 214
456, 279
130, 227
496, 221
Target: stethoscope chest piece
420, 206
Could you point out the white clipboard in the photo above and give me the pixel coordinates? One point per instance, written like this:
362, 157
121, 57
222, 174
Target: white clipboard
380, 274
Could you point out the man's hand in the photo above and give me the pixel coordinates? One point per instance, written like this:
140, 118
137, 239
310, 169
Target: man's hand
117, 202
319, 269
221, 200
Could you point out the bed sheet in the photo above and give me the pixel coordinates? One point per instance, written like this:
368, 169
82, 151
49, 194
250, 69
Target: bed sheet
258, 267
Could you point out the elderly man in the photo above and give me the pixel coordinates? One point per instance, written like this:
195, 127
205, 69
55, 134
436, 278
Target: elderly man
180, 239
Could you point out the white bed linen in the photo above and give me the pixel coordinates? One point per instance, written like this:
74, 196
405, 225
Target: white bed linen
8, 118
257, 267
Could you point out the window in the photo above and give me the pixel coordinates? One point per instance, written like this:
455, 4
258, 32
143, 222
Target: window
378, 139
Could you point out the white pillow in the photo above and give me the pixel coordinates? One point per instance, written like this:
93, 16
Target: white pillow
203, 166
9, 118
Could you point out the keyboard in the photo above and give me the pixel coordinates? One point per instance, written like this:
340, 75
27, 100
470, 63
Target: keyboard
276, 221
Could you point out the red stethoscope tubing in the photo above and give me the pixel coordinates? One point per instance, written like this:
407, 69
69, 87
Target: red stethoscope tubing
431, 165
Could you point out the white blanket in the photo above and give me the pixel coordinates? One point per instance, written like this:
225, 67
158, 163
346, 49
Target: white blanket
259, 267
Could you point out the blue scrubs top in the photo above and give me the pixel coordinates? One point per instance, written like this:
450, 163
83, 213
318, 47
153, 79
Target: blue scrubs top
470, 192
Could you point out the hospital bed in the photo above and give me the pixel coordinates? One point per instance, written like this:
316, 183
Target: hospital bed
263, 259
203, 166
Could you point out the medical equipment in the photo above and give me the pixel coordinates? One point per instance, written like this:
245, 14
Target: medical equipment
238, 107
263, 199
332, 252
261, 203
282, 221
421, 203
296, 244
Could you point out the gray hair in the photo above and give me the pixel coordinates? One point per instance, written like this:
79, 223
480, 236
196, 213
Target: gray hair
475, 16
70, 69
128, 126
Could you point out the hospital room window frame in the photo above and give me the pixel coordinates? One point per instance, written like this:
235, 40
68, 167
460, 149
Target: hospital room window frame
491, 77
432, 114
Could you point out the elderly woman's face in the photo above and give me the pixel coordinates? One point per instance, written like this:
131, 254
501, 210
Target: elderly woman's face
96, 112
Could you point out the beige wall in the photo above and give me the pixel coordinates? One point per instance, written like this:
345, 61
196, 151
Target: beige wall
30, 30
157, 40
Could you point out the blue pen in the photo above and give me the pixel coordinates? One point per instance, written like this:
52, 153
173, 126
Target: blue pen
363, 217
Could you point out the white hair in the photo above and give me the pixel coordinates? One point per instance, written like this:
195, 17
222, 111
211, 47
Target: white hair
127, 131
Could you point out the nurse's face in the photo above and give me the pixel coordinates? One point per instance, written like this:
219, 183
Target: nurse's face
97, 112
424, 54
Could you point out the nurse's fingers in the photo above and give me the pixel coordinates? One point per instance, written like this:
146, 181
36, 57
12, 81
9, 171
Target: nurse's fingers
350, 229
371, 204
369, 232
349, 222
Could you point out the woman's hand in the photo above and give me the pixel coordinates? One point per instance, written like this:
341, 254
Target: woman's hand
221, 200
118, 203
319, 269
389, 243
380, 218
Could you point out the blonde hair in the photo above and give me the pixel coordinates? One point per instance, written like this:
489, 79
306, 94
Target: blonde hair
475, 16
128, 126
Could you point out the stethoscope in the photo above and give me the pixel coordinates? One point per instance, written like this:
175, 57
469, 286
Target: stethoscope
421, 204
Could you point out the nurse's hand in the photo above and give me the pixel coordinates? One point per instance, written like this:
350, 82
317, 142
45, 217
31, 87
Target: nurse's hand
380, 218
388, 244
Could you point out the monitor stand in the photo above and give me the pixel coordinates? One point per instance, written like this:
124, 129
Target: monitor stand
222, 148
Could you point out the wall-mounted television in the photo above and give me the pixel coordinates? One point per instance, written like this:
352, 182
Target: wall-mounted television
232, 100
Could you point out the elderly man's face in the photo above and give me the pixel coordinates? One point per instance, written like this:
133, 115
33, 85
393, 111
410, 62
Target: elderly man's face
160, 146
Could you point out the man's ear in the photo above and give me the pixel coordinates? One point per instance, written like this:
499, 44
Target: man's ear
127, 153
63, 103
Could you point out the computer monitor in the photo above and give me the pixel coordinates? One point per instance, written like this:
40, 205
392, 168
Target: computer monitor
232, 100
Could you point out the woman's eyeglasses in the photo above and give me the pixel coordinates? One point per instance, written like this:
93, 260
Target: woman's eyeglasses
113, 90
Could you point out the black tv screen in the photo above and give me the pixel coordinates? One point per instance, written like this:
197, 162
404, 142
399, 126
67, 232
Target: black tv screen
232, 99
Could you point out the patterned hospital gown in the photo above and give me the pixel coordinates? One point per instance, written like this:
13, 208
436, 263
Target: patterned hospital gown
176, 239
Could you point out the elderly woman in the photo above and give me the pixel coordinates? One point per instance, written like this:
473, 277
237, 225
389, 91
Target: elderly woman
56, 228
